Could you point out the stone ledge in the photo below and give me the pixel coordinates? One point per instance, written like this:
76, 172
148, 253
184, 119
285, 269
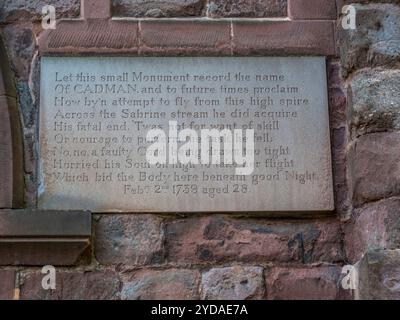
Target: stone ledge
30, 237
174, 37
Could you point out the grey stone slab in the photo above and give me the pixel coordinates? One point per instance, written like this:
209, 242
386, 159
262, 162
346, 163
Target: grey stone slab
96, 112
38, 238
34, 223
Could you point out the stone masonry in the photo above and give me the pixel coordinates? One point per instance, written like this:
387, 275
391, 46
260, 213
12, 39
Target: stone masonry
241, 256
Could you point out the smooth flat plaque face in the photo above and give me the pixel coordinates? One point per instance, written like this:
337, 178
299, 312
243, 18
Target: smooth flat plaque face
96, 113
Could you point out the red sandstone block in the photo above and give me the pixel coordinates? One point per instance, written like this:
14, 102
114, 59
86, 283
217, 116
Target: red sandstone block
317, 283
284, 37
312, 9
247, 8
21, 43
31, 10
95, 36
373, 227
233, 283
219, 239
374, 167
185, 37
75, 285
95, 9
7, 280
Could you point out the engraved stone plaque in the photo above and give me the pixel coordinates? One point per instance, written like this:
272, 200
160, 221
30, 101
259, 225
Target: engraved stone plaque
96, 113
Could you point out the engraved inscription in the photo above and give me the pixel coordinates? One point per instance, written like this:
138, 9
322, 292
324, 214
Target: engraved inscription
96, 111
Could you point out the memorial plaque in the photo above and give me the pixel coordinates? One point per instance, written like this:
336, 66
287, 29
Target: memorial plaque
100, 117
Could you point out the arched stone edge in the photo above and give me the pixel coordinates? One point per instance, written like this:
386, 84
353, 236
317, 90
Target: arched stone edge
11, 145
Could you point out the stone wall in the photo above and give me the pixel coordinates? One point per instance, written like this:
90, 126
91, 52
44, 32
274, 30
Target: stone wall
212, 256
370, 61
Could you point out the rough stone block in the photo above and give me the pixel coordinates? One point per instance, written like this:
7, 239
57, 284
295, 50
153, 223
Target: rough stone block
284, 37
75, 285
374, 170
221, 239
374, 101
20, 41
376, 39
379, 275
171, 284
233, 283
373, 226
247, 8
129, 239
312, 9
22, 10
317, 283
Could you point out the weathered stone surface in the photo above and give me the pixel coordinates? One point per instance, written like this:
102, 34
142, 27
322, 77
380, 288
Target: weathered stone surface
233, 283
317, 283
247, 8
158, 8
26, 106
284, 38
379, 275
174, 37
374, 102
376, 39
20, 42
171, 284
373, 226
218, 238
7, 281
75, 285
129, 239
374, 167
12, 10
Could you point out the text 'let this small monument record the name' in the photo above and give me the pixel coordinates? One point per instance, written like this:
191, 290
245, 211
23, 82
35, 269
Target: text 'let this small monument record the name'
185, 134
